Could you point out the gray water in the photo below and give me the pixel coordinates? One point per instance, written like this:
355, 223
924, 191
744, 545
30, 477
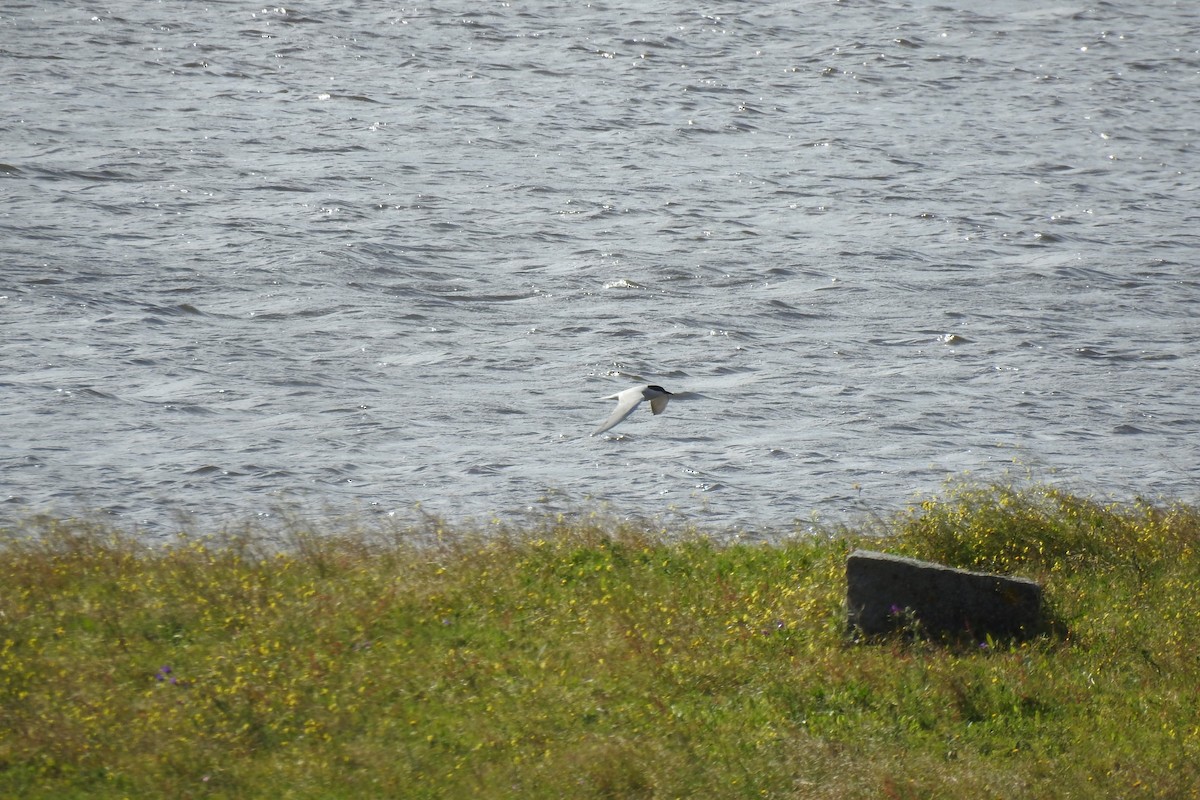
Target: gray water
361, 258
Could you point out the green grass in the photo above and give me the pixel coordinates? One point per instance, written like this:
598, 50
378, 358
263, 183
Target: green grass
591, 659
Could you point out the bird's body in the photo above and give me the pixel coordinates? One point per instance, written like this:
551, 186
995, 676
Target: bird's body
630, 399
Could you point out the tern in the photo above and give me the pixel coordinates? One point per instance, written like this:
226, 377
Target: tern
630, 399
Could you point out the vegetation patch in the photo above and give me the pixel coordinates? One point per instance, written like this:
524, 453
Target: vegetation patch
593, 658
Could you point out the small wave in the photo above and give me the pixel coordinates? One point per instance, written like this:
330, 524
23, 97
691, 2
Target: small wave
178, 310
207, 469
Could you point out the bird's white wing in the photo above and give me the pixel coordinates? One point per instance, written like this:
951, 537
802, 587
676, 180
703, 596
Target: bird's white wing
627, 401
659, 404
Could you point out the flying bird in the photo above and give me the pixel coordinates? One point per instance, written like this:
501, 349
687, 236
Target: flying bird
630, 399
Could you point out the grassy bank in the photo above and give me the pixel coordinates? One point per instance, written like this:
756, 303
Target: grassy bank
591, 659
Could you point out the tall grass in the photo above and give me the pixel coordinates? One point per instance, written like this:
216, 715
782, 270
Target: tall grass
587, 658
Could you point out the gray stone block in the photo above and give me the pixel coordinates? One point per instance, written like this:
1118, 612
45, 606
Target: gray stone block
886, 592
